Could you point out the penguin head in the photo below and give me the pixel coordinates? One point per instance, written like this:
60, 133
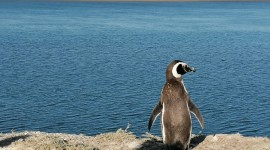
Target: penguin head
178, 68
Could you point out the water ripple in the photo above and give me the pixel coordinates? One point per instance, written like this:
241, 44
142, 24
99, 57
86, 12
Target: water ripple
68, 67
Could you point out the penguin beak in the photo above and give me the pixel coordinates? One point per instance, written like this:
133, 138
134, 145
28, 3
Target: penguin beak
190, 69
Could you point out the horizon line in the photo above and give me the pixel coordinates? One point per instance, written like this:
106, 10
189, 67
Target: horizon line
136, 0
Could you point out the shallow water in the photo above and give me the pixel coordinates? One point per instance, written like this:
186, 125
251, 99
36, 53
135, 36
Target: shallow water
93, 67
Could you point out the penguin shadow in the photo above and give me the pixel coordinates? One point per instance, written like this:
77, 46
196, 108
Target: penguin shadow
196, 140
154, 144
9, 141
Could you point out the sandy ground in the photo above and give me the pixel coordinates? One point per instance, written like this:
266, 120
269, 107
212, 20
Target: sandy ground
121, 140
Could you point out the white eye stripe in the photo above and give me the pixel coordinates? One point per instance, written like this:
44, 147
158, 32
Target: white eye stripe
174, 70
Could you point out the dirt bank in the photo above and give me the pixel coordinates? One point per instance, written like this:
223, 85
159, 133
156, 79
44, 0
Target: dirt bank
120, 140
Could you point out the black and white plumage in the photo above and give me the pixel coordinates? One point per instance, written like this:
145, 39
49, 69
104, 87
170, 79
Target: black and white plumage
176, 107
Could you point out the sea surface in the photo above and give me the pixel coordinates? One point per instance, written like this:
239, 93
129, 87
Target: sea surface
90, 67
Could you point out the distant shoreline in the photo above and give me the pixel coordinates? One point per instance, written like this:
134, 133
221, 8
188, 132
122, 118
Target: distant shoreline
161, 0
137, 1
164, 0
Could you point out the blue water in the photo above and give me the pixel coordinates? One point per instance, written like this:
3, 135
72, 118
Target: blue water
92, 68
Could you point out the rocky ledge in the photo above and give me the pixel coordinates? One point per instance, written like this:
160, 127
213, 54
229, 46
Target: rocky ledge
121, 140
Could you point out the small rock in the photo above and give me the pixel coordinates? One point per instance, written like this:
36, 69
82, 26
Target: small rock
134, 145
20, 140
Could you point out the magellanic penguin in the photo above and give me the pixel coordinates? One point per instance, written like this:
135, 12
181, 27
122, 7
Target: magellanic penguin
175, 106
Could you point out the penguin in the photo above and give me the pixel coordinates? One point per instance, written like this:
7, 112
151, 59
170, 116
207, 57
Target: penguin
175, 107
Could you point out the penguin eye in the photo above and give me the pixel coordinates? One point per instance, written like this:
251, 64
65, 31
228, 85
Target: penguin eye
180, 69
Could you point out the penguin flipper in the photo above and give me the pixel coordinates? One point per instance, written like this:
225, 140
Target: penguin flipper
193, 108
156, 111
